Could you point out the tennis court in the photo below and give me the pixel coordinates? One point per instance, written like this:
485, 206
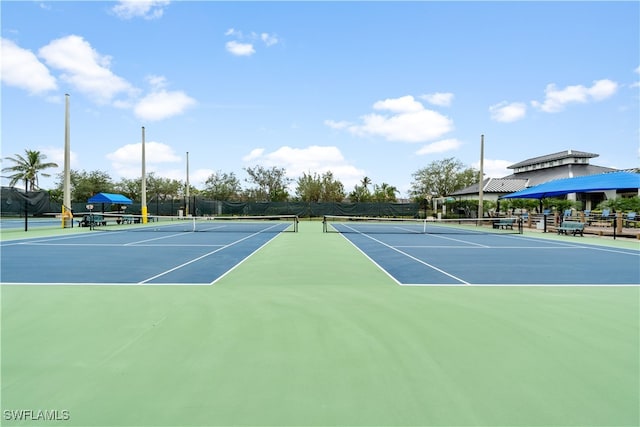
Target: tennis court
154, 253
468, 253
304, 329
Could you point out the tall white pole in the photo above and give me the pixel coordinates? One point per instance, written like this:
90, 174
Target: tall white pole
481, 182
187, 190
143, 185
67, 215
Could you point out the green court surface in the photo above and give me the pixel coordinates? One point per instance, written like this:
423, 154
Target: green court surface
309, 332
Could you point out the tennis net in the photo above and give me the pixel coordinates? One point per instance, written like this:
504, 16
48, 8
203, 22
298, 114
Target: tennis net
157, 223
371, 225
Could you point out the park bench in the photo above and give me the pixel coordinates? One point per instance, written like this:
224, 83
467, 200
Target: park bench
630, 220
572, 227
92, 220
504, 223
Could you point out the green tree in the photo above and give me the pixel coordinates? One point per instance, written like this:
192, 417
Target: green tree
27, 168
360, 194
129, 187
319, 188
366, 182
441, 178
222, 186
332, 188
163, 188
270, 184
384, 193
86, 184
158, 188
309, 187
621, 204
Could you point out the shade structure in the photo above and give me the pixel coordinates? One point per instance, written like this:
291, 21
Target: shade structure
582, 184
110, 198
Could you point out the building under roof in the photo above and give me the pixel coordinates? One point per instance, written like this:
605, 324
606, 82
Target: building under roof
536, 171
492, 188
564, 164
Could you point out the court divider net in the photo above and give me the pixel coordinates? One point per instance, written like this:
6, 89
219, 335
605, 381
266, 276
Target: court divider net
371, 225
156, 223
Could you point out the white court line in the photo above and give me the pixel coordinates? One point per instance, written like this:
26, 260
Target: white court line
459, 240
220, 247
555, 248
204, 256
154, 239
33, 240
408, 256
120, 245
98, 284
242, 261
555, 245
525, 285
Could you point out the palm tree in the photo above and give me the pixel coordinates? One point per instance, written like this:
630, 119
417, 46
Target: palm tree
389, 192
366, 182
28, 168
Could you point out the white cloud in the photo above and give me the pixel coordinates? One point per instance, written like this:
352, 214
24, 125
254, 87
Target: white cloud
409, 122
404, 104
269, 39
244, 45
156, 82
21, 68
557, 99
441, 99
602, 89
508, 112
418, 126
439, 147
312, 159
198, 177
240, 49
85, 69
494, 168
126, 161
337, 125
147, 9
255, 154
163, 104
88, 72
56, 155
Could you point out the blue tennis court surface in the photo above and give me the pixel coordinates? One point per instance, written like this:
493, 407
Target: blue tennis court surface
408, 256
416, 259
32, 223
120, 257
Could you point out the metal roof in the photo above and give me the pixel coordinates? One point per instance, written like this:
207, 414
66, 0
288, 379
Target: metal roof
495, 185
554, 156
539, 176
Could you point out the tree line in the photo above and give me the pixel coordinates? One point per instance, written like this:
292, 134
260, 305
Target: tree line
438, 179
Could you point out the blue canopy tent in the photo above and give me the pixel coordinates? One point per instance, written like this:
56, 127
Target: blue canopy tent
581, 184
103, 198
110, 198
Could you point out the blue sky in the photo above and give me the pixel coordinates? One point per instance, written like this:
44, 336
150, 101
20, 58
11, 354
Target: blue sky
377, 89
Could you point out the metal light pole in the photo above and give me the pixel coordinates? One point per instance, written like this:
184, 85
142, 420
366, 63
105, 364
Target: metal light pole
481, 183
186, 206
143, 186
67, 217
